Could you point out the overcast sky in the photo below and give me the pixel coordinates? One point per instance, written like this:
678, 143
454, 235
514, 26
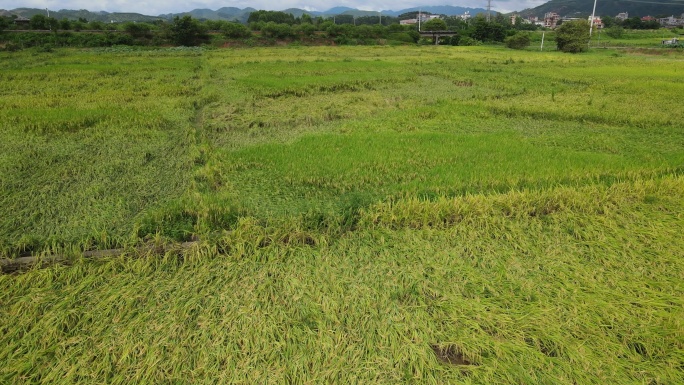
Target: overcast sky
177, 6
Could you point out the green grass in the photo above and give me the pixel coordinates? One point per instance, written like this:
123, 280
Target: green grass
379, 214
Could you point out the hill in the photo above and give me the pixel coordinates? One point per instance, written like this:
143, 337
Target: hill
438, 10
604, 8
243, 14
234, 14
102, 16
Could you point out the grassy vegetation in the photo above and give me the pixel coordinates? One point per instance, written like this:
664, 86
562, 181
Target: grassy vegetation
91, 141
366, 215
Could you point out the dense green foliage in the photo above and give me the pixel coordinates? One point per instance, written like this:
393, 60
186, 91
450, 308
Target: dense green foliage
488, 31
520, 40
573, 36
276, 17
365, 215
187, 31
235, 30
615, 32
435, 25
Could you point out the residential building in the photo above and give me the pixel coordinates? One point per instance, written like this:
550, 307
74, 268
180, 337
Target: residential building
551, 20
622, 16
670, 21
598, 23
423, 18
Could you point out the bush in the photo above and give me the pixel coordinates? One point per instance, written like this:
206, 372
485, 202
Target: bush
138, 30
518, 41
401, 37
279, 31
306, 29
615, 32
469, 41
187, 31
235, 30
45, 48
573, 36
435, 25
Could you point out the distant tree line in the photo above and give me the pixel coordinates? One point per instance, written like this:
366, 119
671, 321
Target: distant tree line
631, 23
263, 27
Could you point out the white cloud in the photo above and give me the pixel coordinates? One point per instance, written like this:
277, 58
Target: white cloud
156, 8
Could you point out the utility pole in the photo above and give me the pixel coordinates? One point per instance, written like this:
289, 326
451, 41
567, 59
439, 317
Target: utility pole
591, 25
419, 17
489, 10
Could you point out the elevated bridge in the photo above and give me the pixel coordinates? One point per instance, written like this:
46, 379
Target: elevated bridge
435, 35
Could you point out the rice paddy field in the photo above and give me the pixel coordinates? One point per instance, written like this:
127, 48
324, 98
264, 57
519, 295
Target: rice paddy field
428, 215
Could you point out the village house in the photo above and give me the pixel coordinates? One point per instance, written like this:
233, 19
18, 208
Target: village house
598, 23
423, 18
622, 16
21, 20
551, 20
670, 21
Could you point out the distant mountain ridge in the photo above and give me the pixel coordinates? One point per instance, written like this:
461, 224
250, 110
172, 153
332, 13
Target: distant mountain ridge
583, 8
233, 13
106, 17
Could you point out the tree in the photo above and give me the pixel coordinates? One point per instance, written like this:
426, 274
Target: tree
306, 29
608, 21
488, 31
615, 32
518, 41
138, 30
274, 16
235, 30
187, 31
78, 25
364, 31
3, 23
279, 31
434, 25
39, 22
306, 19
573, 36
95, 25
335, 30
65, 24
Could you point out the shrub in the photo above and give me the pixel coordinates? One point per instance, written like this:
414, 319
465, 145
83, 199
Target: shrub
187, 31
279, 31
138, 30
435, 25
401, 37
615, 32
306, 29
573, 36
469, 41
235, 30
518, 41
